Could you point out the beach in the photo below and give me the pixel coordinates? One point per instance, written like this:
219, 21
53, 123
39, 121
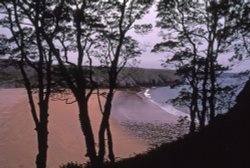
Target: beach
18, 147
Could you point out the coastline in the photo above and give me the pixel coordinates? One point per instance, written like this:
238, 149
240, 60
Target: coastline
163, 100
130, 106
146, 119
66, 143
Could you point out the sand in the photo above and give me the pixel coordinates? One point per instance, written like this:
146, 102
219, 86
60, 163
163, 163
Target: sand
66, 143
128, 106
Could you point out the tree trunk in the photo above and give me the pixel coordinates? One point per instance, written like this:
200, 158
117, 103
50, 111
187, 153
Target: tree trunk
192, 127
192, 111
207, 67
192, 123
194, 101
213, 91
101, 152
42, 135
204, 97
213, 58
110, 145
105, 126
88, 132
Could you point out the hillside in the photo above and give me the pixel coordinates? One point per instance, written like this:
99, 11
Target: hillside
133, 77
10, 76
225, 143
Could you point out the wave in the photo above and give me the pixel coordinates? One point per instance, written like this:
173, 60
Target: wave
167, 107
147, 94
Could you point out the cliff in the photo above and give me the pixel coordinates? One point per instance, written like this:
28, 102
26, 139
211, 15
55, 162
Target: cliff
10, 76
135, 77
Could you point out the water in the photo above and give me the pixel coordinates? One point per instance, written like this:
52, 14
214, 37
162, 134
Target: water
161, 96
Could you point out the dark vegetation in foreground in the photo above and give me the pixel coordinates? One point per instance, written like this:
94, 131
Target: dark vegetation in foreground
225, 143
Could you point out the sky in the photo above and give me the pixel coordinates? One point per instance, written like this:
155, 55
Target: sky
147, 42
154, 60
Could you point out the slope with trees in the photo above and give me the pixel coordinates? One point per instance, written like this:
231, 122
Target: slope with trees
223, 143
43, 32
195, 42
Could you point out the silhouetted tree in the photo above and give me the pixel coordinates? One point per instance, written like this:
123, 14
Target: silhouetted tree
117, 48
80, 26
73, 24
237, 34
193, 40
27, 50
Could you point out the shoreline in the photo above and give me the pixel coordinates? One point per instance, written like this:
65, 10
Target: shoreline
129, 106
18, 144
148, 121
169, 108
66, 143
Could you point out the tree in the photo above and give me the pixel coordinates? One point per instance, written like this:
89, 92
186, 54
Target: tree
73, 23
77, 26
193, 40
27, 50
117, 48
237, 15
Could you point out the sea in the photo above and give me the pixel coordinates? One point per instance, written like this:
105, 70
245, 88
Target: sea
161, 96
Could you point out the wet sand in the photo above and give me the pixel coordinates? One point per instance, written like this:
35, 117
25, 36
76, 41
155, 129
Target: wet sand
132, 107
66, 142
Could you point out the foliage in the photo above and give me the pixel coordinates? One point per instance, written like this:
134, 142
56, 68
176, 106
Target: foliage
224, 143
237, 14
25, 46
89, 29
193, 35
72, 165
